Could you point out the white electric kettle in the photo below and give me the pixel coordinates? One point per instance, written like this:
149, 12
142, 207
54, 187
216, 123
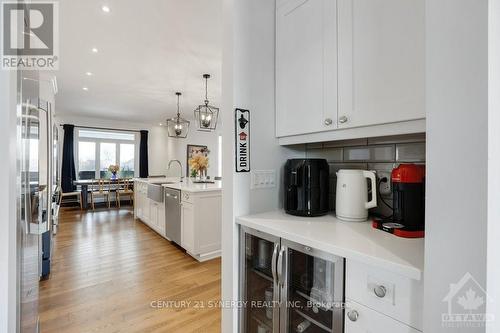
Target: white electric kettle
352, 195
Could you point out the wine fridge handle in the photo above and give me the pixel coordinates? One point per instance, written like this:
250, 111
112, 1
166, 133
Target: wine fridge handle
280, 266
273, 262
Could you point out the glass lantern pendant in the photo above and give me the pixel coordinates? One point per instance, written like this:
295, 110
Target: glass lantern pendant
178, 127
206, 115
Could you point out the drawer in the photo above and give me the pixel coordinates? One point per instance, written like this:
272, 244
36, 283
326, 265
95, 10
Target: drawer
361, 319
187, 197
391, 294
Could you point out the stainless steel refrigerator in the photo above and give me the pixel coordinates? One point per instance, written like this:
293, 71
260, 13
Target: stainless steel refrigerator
35, 188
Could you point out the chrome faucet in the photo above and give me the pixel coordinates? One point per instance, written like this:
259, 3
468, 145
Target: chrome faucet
180, 167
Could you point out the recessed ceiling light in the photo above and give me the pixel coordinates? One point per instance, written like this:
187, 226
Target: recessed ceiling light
161, 124
105, 9
85, 88
95, 50
89, 74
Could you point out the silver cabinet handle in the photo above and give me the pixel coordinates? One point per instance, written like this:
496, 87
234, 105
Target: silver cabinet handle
280, 266
380, 291
328, 121
353, 315
343, 119
273, 262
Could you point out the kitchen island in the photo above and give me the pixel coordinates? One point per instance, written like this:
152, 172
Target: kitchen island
186, 213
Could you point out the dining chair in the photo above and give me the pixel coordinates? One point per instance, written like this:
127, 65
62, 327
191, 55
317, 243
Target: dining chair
77, 194
125, 189
99, 189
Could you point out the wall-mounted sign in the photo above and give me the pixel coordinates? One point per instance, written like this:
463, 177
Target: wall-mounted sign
242, 139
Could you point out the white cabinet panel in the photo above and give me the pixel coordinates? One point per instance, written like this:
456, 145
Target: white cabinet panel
360, 319
306, 66
389, 293
381, 61
188, 227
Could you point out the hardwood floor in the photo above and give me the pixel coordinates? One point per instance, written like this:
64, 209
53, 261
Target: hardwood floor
113, 274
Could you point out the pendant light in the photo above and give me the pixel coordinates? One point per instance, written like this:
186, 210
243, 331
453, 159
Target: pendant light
206, 115
178, 127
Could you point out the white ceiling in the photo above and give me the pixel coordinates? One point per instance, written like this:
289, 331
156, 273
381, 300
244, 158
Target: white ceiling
148, 50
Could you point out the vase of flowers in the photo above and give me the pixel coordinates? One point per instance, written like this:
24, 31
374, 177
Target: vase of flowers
114, 170
199, 163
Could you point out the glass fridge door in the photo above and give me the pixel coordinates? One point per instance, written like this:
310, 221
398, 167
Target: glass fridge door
312, 289
259, 288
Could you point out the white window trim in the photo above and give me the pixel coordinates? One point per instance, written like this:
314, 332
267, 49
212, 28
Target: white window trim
117, 143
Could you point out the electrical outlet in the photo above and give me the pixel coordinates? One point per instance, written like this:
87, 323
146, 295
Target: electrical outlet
263, 179
385, 187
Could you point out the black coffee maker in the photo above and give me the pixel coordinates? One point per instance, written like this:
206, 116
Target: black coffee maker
307, 184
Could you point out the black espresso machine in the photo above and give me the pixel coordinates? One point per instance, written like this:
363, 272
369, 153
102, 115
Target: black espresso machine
306, 183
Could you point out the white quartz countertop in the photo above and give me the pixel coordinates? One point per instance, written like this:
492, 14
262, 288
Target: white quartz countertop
351, 240
186, 185
189, 186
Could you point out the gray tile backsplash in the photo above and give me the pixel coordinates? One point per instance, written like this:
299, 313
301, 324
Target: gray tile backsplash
381, 154
410, 152
329, 154
369, 153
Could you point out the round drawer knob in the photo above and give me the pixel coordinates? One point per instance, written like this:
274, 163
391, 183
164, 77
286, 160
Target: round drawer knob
343, 120
353, 315
380, 291
328, 121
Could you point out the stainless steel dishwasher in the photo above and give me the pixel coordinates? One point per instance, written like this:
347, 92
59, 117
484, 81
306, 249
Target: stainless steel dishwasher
173, 215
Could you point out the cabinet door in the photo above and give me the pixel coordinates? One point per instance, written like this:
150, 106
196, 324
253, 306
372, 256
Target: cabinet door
258, 255
381, 61
312, 282
306, 66
360, 319
188, 227
153, 214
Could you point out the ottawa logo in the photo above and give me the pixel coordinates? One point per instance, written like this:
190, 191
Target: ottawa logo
467, 302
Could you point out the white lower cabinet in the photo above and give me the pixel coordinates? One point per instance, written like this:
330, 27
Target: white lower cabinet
157, 216
150, 212
187, 227
201, 220
361, 319
391, 294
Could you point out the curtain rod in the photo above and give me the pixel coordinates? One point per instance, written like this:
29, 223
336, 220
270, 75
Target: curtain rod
108, 129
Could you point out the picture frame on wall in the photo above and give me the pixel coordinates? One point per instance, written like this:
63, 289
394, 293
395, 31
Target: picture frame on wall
194, 150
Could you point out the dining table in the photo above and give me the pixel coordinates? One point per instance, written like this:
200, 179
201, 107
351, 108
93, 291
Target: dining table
85, 183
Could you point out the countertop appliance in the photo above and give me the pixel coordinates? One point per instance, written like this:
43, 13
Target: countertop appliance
352, 202
173, 215
408, 193
307, 187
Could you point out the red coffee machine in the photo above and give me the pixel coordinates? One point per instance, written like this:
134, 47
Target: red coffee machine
408, 203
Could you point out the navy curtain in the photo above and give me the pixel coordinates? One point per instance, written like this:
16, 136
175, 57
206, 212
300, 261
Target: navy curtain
68, 173
143, 155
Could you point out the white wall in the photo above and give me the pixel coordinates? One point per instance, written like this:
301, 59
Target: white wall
248, 83
493, 275
8, 201
457, 150
177, 148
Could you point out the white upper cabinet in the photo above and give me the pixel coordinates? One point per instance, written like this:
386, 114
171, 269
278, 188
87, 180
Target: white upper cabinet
306, 66
348, 63
381, 61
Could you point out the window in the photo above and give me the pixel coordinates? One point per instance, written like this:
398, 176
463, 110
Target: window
98, 149
127, 159
86, 160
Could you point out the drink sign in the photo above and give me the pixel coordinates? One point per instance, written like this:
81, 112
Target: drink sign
242, 136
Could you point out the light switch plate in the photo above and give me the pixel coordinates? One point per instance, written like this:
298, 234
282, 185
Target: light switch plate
263, 179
